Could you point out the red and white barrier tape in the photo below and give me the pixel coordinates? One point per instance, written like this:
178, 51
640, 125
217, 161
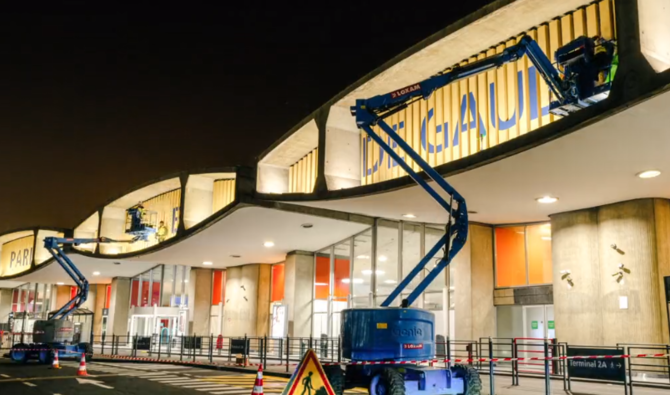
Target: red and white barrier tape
416, 362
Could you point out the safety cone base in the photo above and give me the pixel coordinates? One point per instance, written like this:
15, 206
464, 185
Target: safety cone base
82, 366
55, 364
258, 384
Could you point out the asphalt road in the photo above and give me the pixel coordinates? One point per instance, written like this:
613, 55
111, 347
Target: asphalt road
130, 379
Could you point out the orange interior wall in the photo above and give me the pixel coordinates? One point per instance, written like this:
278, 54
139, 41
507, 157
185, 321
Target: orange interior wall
217, 284
539, 254
341, 272
277, 283
322, 277
510, 257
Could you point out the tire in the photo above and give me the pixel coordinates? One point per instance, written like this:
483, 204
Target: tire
20, 356
86, 348
45, 357
388, 382
470, 375
335, 376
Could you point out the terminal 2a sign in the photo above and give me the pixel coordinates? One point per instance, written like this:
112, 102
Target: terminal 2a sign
17, 256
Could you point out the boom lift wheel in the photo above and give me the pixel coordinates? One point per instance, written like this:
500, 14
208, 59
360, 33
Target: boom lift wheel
21, 355
389, 382
45, 355
473, 383
335, 376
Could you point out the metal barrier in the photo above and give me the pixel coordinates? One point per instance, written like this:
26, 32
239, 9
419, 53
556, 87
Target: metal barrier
503, 357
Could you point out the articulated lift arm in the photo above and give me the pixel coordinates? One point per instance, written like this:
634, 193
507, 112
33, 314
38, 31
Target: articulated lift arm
572, 91
52, 244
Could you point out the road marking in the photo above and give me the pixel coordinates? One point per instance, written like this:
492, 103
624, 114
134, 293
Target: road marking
205, 385
30, 384
179, 380
157, 378
94, 382
50, 378
5, 376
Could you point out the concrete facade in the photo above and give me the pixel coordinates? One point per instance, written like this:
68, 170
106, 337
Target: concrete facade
246, 311
99, 306
202, 300
298, 292
592, 244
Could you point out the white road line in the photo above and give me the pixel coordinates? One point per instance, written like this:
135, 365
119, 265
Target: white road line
29, 384
177, 380
231, 392
205, 385
5, 376
156, 378
220, 388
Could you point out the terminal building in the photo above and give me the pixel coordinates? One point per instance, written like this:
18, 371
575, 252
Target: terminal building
569, 234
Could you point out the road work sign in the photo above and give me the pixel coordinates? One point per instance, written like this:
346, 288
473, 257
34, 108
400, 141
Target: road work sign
309, 378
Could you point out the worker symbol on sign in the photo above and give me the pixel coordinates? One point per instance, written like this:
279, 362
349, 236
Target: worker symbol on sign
307, 384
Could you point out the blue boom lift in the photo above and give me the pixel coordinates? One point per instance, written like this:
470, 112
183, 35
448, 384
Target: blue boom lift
400, 334
57, 333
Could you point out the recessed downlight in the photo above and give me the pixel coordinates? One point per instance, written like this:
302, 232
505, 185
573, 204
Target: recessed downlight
269, 244
96, 273
649, 174
207, 263
368, 272
547, 199
409, 215
382, 258
390, 282
60, 283
363, 257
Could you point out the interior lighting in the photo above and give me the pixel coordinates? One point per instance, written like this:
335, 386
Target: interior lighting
321, 284
649, 174
207, 263
546, 238
408, 215
268, 244
356, 281
368, 272
382, 258
60, 283
547, 199
390, 281
363, 257
96, 273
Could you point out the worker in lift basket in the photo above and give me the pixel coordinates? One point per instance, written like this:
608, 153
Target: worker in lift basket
162, 231
137, 216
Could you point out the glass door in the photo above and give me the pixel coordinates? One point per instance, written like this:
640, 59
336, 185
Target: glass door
538, 322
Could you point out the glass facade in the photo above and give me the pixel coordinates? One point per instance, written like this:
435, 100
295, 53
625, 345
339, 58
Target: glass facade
382, 256
30, 302
523, 255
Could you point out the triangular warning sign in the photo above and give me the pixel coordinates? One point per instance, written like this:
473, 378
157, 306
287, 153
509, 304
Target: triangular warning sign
309, 378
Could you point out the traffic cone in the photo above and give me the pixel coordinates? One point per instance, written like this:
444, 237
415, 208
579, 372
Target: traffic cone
258, 385
82, 366
54, 363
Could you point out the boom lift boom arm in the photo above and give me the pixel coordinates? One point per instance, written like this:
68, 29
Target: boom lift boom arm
581, 60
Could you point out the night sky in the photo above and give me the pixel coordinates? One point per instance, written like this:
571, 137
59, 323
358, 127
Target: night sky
96, 99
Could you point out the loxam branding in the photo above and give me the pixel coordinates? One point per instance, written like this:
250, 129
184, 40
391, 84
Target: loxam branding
405, 332
447, 135
405, 90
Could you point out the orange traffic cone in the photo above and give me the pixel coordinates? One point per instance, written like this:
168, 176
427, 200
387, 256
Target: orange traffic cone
258, 385
54, 363
82, 366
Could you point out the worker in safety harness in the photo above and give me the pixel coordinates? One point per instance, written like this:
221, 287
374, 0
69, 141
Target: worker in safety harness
137, 213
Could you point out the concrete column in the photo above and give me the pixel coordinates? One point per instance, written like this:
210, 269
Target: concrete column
598, 310
5, 304
119, 306
263, 300
272, 178
298, 292
198, 199
113, 225
662, 214
100, 291
202, 300
574, 245
474, 284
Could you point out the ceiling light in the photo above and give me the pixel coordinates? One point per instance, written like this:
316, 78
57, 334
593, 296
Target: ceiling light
546, 238
363, 257
409, 215
269, 244
321, 284
307, 226
59, 283
236, 256
382, 258
356, 281
185, 281
96, 273
368, 272
207, 263
390, 281
649, 174
547, 199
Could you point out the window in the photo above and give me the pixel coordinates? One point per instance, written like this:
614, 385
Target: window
360, 295
386, 272
523, 255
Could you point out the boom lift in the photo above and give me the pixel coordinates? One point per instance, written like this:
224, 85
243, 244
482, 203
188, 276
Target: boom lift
401, 334
57, 333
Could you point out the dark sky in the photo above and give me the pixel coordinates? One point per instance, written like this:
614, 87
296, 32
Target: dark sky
97, 97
